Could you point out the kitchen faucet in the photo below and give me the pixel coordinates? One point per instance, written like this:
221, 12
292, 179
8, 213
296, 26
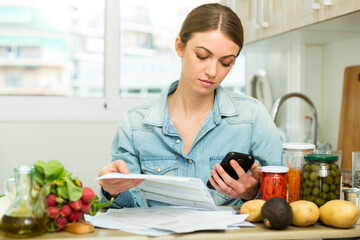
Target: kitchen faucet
281, 100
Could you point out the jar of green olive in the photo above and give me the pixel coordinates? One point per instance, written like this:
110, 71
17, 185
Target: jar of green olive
320, 178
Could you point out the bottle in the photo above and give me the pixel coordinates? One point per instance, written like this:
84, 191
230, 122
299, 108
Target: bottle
273, 182
320, 178
26, 216
293, 158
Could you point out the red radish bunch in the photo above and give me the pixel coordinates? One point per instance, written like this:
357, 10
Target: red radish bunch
62, 212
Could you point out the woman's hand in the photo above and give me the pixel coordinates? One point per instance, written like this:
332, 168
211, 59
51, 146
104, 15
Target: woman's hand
246, 187
116, 186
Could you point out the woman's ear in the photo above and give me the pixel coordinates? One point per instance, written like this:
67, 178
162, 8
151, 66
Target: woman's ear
179, 46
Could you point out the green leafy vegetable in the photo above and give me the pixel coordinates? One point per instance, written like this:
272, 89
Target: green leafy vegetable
74, 192
62, 183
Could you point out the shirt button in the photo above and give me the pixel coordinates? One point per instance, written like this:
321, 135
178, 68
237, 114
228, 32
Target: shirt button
190, 161
178, 141
158, 170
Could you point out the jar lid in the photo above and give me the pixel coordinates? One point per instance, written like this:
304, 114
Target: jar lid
300, 146
274, 169
321, 157
352, 190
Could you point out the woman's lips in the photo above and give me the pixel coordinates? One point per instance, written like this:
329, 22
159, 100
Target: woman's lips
206, 83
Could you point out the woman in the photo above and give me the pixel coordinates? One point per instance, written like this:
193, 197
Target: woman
195, 122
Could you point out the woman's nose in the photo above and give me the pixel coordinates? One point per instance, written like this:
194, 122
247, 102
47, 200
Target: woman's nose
211, 68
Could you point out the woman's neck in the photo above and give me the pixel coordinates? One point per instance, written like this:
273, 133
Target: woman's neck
189, 103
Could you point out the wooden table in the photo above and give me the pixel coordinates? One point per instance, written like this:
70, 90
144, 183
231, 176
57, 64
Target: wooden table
317, 231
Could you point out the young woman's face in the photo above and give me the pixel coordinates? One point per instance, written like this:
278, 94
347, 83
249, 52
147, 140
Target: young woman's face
206, 60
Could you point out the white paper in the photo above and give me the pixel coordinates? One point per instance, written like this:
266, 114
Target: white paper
158, 221
183, 191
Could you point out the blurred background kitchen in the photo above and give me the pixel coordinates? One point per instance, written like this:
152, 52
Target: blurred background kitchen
68, 69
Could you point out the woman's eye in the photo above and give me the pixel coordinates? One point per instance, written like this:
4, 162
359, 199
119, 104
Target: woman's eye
226, 64
201, 57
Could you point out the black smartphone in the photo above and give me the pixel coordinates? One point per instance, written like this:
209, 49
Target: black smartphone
244, 160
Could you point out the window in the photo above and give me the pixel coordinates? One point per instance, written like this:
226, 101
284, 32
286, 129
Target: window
70, 60
52, 48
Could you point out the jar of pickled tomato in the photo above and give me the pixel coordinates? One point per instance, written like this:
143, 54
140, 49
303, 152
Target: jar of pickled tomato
273, 182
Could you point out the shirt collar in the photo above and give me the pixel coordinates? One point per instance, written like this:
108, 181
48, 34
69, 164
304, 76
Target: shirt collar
223, 106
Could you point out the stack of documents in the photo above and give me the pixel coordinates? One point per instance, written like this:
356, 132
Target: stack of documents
195, 209
158, 221
181, 191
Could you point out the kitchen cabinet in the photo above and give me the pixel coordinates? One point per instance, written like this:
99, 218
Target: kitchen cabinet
306, 53
305, 12
341, 7
262, 18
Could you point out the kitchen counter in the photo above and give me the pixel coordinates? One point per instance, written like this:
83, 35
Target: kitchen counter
260, 231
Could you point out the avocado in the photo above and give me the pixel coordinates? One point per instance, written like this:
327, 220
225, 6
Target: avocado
276, 213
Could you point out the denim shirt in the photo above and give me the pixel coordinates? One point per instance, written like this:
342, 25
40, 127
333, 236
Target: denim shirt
149, 143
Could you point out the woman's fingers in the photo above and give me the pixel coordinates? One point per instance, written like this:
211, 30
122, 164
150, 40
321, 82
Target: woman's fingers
255, 172
116, 186
223, 183
121, 166
245, 186
116, 166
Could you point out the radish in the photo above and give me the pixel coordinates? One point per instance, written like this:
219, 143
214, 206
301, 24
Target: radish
60, 221
65, 210
51, 200
53, 212
77, 205
87, 195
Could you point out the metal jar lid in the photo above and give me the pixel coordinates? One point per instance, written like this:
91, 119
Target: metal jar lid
321, 157
352, 190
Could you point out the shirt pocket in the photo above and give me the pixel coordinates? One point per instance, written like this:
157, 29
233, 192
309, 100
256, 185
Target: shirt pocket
159, 165
214, 160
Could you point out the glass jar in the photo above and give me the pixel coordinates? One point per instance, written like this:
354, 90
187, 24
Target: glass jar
356, 169
293, 158
273, 182
320, 178
353, 195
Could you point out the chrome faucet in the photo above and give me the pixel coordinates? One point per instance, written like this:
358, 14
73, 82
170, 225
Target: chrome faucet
282, 99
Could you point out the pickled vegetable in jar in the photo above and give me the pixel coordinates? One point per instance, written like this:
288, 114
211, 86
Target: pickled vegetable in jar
273, 182
293, 158
320, 178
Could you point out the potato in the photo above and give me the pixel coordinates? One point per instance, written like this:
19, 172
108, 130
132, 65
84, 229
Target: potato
253, 208
305, 213
339, 213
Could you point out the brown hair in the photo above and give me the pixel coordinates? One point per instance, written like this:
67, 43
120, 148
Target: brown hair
213, 16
